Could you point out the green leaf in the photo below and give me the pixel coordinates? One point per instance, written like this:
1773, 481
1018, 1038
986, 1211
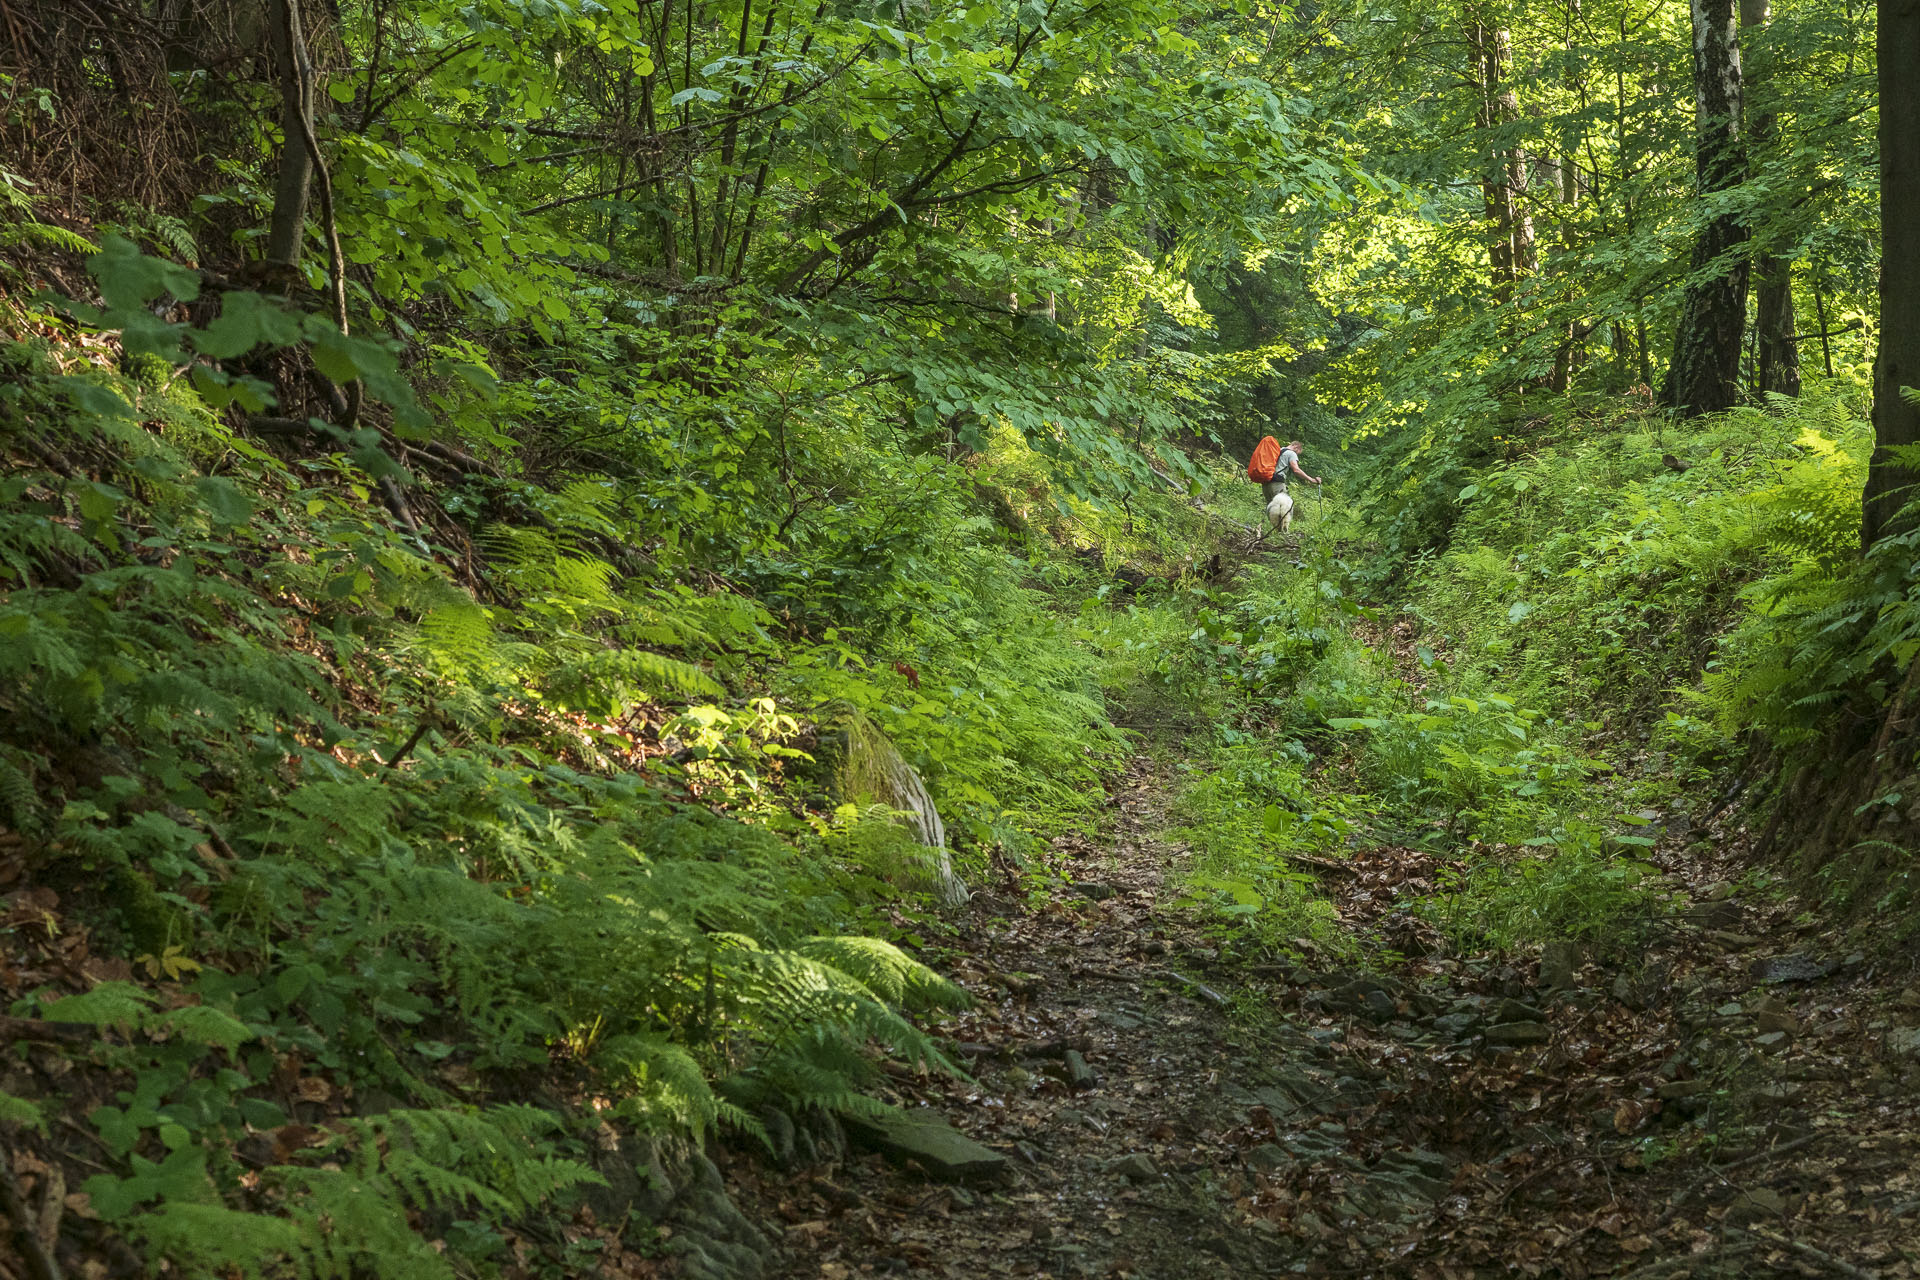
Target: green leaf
109, 1004
223, 500
129, 279
203, 1024
19, 1113
98, 502
245, 321
95, 397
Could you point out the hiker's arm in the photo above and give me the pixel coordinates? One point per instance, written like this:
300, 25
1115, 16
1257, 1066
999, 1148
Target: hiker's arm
1295, 464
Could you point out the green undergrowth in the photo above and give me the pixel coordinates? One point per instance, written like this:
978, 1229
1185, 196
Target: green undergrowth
1691, 596
1594, 579
1323, 732
512, 803
1601, 630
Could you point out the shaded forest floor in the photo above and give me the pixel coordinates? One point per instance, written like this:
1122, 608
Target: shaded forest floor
1740, 1100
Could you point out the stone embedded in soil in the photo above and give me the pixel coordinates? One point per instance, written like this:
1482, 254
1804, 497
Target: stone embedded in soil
1431, 1163
1673, 1090
1794, 968
1079, 1074
1756, 1204
1904, 1042
1380, 1004
1095, 891
1419, 1184
1517, 1011
1138, 1167
1772, 1041
1560, 964
1353, 994
1770, 1020
1519, 1033
944, 1152
1269, 1156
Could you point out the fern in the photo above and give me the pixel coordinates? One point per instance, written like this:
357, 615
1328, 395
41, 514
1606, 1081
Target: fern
348, 1213
665, 1086
885, 970
610, 678
110, 1004
14, 234
19, 801
240, 654
20, 1113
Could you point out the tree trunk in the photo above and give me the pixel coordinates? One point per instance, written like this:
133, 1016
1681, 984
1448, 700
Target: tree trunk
1896, 420
1705, 374
295, 73
1778, 366
1503, 179
1777, 355
1566, 353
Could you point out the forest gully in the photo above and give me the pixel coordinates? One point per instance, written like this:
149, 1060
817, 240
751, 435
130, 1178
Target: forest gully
1088, 639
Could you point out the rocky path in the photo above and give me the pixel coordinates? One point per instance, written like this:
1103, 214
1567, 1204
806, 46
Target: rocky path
1743, 1099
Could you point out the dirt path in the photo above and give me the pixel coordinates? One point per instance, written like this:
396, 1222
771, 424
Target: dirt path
1742, 1100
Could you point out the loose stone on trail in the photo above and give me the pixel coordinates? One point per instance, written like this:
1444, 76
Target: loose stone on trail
1560, 964
1794, 968
946, 1154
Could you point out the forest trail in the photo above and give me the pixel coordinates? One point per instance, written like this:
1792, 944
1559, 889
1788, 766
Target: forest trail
1168, 1111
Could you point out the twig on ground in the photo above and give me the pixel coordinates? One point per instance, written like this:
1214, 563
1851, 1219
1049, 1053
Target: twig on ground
29, 1228
1780, 1150
1205, 992
1719, 1171
1811, 1254
1684, 1266
419, 732
43, 1032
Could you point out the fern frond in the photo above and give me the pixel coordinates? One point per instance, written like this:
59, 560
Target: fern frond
887, 970
19, 1113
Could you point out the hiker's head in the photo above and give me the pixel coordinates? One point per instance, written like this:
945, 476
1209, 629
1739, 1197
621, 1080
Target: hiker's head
1296, 446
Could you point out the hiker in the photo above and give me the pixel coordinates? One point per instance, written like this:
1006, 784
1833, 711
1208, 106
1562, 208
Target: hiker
1289, 465
1273, 473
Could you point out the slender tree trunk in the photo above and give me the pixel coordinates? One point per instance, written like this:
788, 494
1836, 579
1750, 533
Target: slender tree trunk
1820, 315
1705, 374
291, 66
1778, 366
1896, 419
1503, 179
1777, 347
1566, 353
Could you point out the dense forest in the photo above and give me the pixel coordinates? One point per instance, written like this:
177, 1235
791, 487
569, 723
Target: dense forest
637, 638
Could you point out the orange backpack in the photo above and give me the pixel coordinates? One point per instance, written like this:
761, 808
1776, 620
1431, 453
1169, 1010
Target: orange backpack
1266, 456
